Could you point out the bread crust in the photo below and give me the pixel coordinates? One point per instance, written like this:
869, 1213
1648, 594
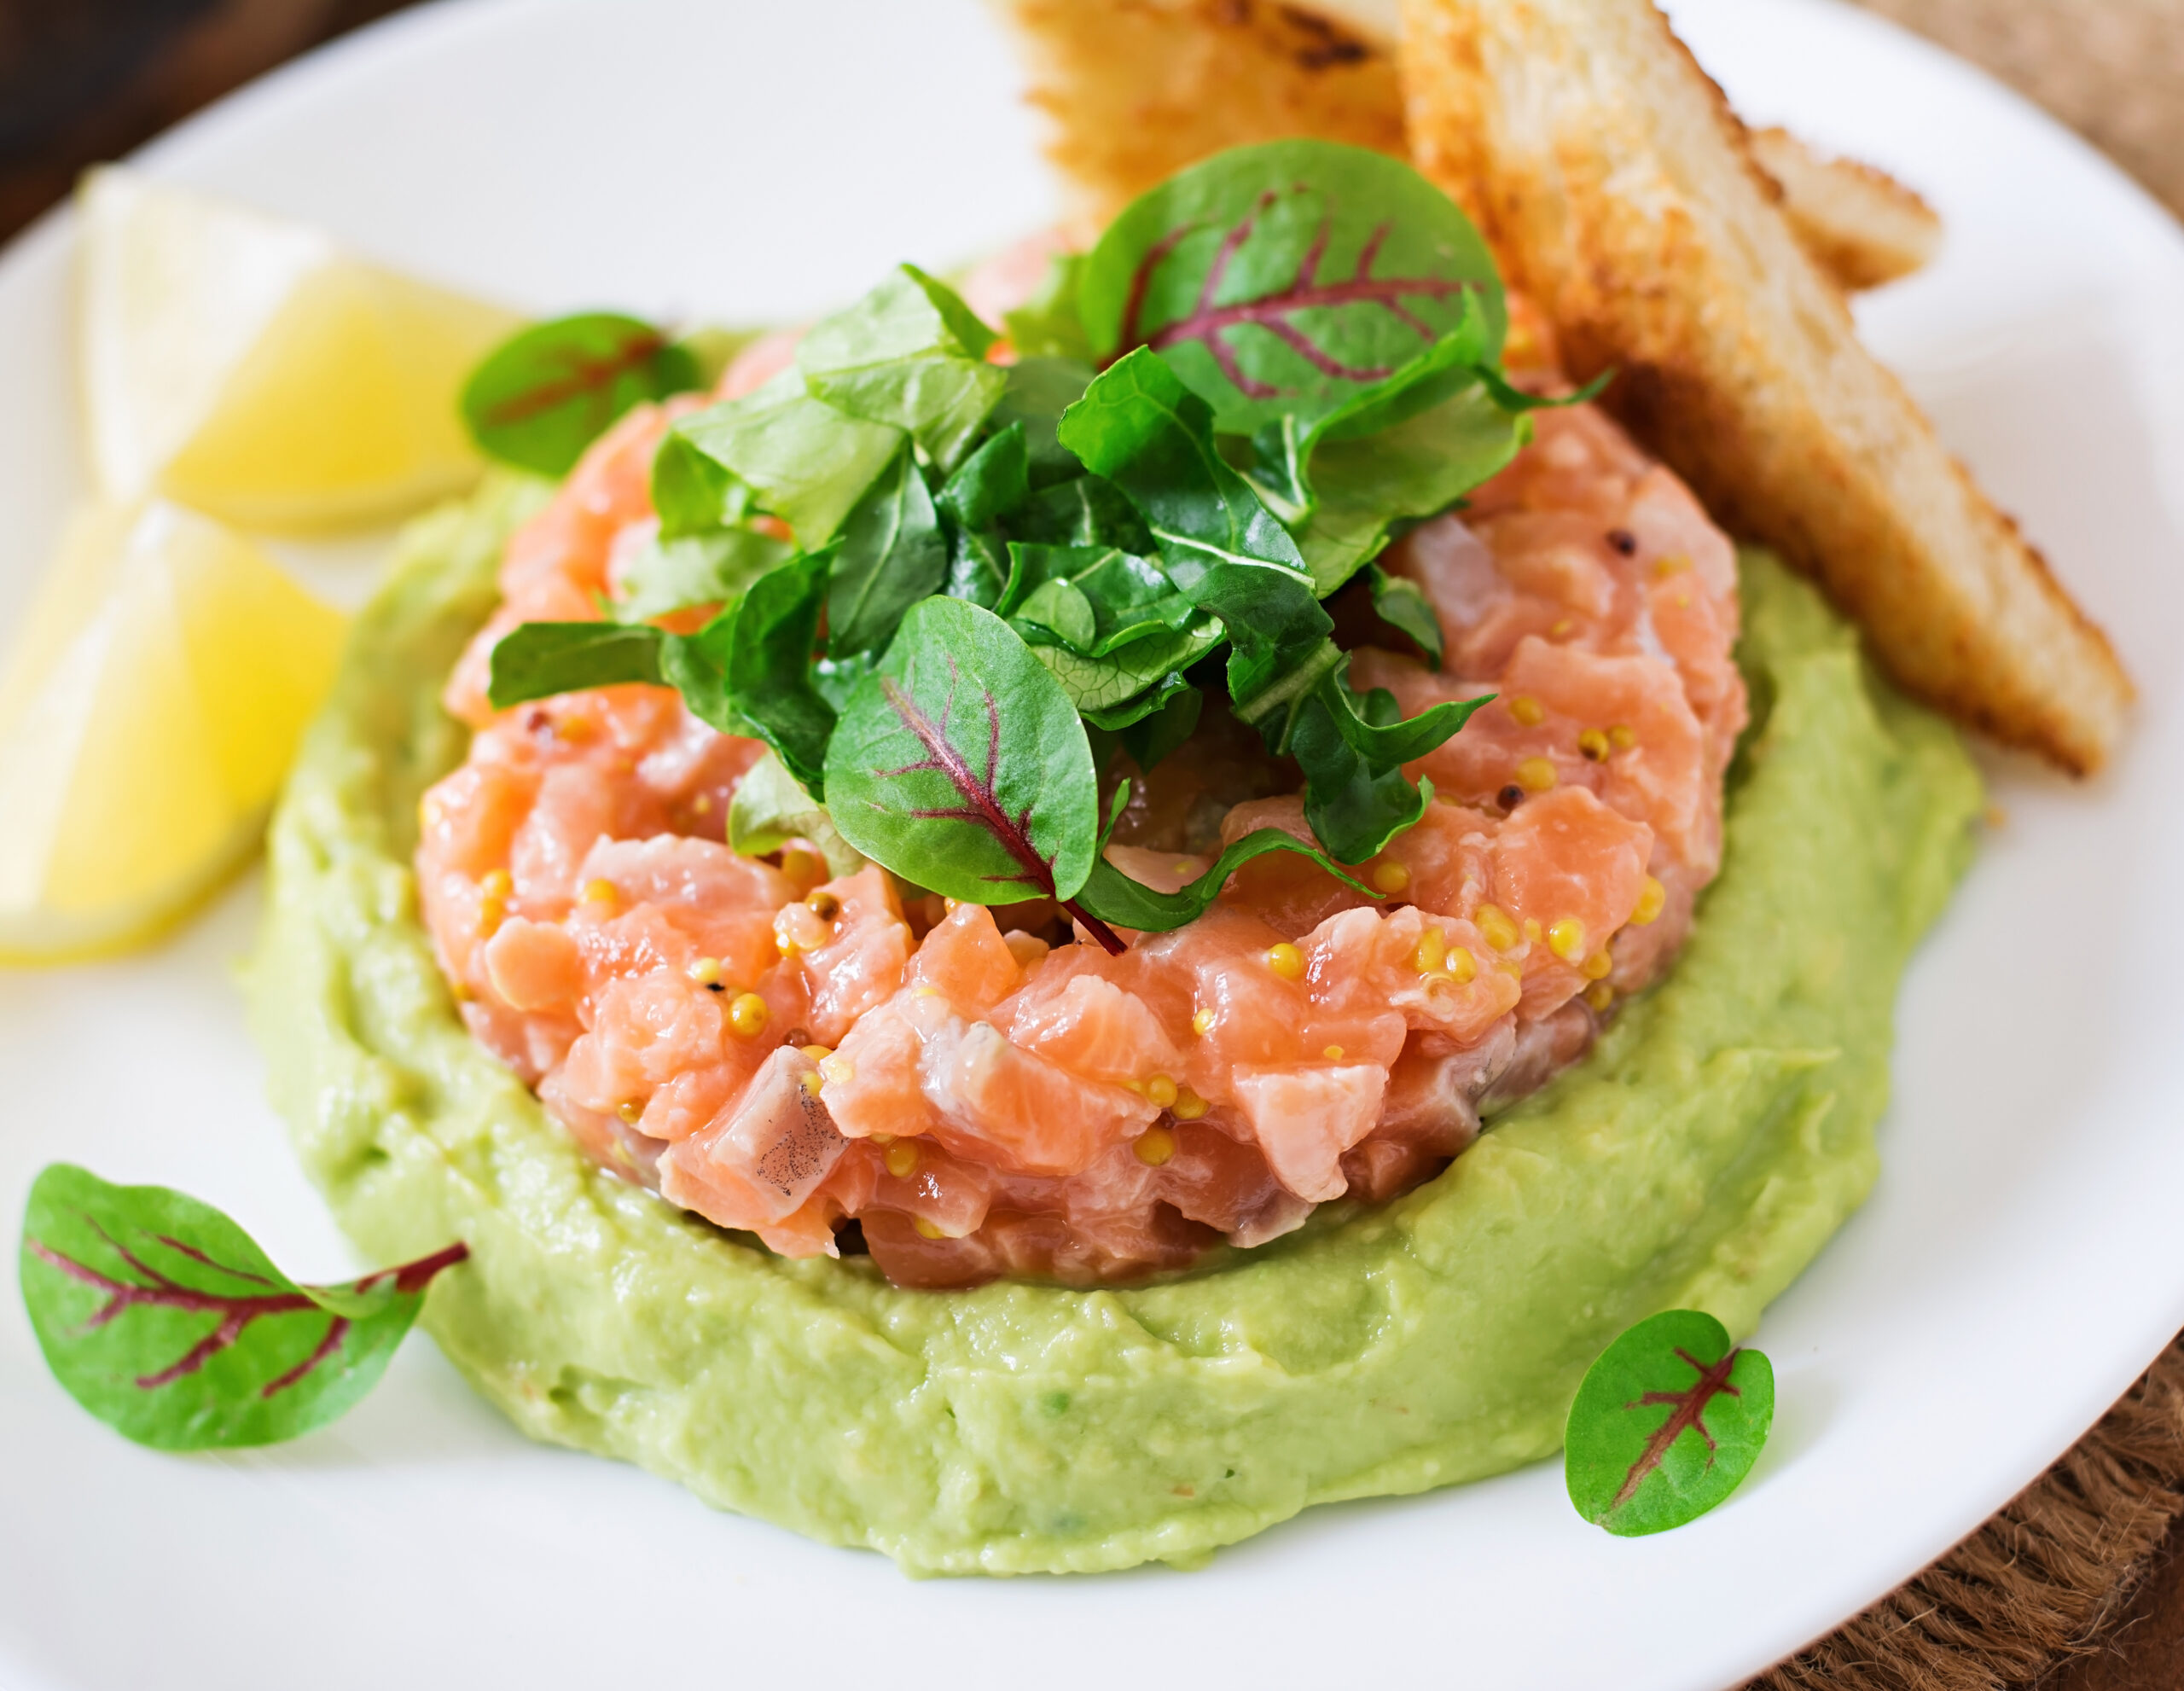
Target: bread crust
1620, 191
1861, 226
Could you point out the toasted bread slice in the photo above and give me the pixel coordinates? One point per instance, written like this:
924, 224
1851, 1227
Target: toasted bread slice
1861, 224
1620, 192
1135, 90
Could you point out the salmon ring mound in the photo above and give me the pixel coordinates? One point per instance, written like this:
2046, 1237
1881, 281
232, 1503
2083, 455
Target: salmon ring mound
1699, 1156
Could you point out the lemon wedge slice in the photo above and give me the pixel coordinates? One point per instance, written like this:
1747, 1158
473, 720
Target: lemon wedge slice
149, 710
248, 367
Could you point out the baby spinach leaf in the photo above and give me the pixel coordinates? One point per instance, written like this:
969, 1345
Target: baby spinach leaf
548, 392
538, 660
1403, 605
894, 553
960, 764
978, 565
1106, 597
1141, 428
1669, 1420
1088, 510
749, 669
1282, 279
162, 1317
770, 808
1110, 690
1114, 897
1047, 324
709, 569
991, 482
911, 354
803, 461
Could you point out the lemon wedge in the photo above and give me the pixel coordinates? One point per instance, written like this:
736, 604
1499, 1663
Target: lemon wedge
149, 710
250, 367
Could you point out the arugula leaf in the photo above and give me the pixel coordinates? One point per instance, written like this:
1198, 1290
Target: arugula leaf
1091, 599
1140, 427
749, 669
911, 354
1114, 897
1403, 605
1281, 279
1048, 325
1669, 1420
711, 569
803, 461
962, 765
538, 660
164, 1319
894, 553
770, 808
548, 392
1357, 797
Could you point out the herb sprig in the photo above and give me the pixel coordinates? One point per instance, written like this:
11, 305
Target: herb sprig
1264, 368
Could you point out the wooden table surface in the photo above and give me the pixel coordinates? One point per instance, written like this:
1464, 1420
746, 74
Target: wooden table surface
82, 80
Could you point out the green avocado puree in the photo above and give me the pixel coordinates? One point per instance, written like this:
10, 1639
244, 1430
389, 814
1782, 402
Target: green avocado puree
1698, 1159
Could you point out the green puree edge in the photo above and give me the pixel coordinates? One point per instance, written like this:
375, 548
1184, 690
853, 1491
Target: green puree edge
1699, 1158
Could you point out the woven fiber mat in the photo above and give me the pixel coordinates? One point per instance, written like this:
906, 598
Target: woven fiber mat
2078, 1584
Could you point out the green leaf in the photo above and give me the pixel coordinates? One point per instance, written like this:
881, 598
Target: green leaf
1281, 280
1163, 720
1114, 897
711, 569
1039, 391
1352, 750
894, 553
749, 669
548, 392
1088, 510
1104, 689
1139, 427
1047, 325
1403, 605
692, 492
164, 1319
1668, 1422
803, 460
770, 808
1106, 597
538, 660
961, 764
991, 482
911, 354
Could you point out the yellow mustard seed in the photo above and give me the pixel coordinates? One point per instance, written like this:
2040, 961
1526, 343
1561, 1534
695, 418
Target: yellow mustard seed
1675, 564
1566, 939
1331, 1053
1202, 1023
1462, 968
824, 905
785, 942
1563, 626
629, 1110
1286, 960
747, 1014
1622, 736
1188, 1106
1536, 775
1155, 1146
1431, 951
837, 1071
1652, 897
704, 971
1496, 928
498, 884
902, 1159
702, 805
1185, 868
883, 1140
811, 1082
1527, 710
1392, 877
1160, 1090
1594, 745
491, 913
927, 1229
925, 992
802, 866
1599, 965
1599, 995
600, 892
815, 1051
573, 730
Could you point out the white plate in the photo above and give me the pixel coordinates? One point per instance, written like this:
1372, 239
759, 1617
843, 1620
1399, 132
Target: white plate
2015, 1269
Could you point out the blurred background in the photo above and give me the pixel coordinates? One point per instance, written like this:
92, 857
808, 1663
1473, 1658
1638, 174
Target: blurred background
87, 79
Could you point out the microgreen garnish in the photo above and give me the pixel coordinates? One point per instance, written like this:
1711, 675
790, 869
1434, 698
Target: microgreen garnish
1114, 896
548, 392
1668, 1422
770, 808
161, 1317
1298, 342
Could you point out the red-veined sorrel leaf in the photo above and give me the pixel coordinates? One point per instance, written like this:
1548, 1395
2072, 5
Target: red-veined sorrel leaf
1282, 280
1667, 1423
164, 1319
960, 764
548, 392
